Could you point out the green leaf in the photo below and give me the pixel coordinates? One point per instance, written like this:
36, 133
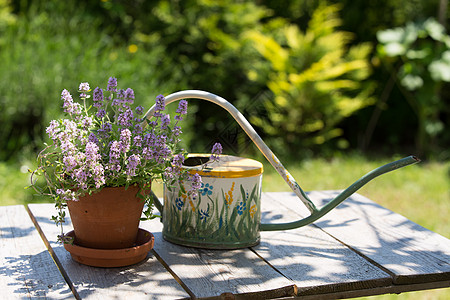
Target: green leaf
440, 70
446, 56
434, 127
434, 29
412, 82
394, 49
391, 35
403, 36
418, 54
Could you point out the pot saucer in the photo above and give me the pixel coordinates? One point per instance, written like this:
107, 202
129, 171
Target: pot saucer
112, 257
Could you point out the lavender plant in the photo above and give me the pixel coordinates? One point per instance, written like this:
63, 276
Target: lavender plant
106, 143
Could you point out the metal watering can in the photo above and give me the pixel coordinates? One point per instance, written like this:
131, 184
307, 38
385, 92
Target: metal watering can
226, 212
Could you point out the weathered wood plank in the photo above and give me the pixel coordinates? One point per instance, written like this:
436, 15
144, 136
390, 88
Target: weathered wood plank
316, 262
209, 273
26, 267
409, 252
392, 289
309, 257
145, 280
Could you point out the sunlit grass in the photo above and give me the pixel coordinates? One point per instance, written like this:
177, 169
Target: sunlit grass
14, 178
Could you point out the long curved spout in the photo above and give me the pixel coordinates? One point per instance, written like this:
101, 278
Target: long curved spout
343, 195
270, 156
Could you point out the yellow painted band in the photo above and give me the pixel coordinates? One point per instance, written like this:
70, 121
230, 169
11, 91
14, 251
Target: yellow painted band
227, 167
227, 174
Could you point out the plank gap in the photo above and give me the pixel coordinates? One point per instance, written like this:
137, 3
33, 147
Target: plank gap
175, 276
400, 277
371, 261
286, 292
393, 276
52, 253
267, 262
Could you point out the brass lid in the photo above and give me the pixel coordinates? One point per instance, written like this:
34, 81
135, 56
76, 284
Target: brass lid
228, 166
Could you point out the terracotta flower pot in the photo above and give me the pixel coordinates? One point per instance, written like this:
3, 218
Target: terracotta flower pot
108, 219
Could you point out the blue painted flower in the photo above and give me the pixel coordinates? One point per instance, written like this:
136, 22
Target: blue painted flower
242, 206
179, 203
204, 214
206, 189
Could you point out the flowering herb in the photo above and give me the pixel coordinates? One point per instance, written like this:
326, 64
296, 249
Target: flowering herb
216, 151
104, 142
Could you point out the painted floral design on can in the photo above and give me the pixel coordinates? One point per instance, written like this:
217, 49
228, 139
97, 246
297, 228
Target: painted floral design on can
225, 214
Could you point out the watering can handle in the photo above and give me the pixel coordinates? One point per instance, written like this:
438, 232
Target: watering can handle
274, 161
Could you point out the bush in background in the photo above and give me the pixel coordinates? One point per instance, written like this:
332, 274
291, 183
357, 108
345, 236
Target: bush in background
418, 54
166, 46
317, 79
54, 45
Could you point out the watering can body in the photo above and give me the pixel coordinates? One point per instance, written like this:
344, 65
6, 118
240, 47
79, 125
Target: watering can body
226, 213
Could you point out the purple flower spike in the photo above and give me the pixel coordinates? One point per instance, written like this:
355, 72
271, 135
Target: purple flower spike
165, 121
84, 87
52, 130
129, 95
101, 113
160, 105
182, 107
121, 94
181, 110
139, 110
66, 195
124, 118
112, 84
216, 151
107, 127
69, 106
92, 153
133, 161
98, 97
196, 181
176, 131
115, 102
196, 184
178, 160
93, 138
125, 138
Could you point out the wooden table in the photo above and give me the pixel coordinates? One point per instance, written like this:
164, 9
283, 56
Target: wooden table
358, 249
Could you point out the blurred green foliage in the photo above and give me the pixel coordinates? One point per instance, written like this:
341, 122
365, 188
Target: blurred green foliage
422, 53
50, 48
305, 80
316, 79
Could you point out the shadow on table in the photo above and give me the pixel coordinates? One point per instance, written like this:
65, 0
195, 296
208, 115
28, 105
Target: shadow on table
32, 277
15, 232
411, 253
137, 280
